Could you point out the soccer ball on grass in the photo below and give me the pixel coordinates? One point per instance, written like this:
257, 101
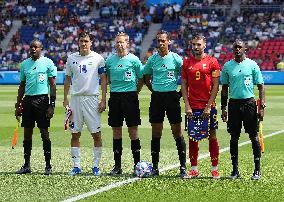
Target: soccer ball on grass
143, 169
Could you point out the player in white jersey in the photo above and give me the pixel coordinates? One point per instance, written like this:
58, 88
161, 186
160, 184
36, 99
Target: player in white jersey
83, 71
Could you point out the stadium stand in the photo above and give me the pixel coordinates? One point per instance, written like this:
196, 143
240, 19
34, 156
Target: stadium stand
59, 30
57, 23
196, 16
261, 26
6, 18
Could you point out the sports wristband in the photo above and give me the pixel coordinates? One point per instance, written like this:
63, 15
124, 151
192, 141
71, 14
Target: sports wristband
52, 101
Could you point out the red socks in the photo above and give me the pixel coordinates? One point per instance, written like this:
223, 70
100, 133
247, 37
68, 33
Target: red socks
193, 152
214, 151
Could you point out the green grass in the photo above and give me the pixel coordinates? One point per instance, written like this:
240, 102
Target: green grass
167, 187
170, 188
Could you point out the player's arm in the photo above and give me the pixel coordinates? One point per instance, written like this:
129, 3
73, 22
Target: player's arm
67, 83
215, 75
224, 99
140, 83
184, 91
102, 104
147, 79
138, 68
148, 72
50, 110
262, 100
214, 92
18, 105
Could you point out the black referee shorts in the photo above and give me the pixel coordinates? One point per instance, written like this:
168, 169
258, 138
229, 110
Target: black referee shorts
242, 112
123, 105
162, 102
34, 110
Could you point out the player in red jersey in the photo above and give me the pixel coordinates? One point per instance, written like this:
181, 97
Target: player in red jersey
200, 85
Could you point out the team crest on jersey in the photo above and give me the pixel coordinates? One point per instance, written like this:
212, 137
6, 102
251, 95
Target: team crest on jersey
248, 80
128, 75
171, 75
41, 77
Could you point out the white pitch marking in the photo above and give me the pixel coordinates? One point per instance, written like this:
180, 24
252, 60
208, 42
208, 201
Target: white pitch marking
124, 182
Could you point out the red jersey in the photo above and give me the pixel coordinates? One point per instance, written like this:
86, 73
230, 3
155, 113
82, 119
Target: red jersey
199, 74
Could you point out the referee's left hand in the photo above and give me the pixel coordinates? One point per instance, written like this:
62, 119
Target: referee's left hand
261, 114
50, 112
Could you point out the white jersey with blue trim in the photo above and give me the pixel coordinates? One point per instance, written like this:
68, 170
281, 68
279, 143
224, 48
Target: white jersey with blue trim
84, 72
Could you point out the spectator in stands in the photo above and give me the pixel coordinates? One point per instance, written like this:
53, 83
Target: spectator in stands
148, 54
177, 10
280, 65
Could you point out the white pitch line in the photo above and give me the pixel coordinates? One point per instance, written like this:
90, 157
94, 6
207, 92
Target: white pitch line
169, 167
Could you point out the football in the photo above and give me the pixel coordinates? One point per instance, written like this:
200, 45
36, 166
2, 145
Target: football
143, 169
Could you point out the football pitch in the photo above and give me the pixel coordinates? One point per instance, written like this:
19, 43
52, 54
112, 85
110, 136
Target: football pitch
166, 187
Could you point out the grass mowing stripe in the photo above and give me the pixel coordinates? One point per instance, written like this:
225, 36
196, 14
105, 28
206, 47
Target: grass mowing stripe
169, 167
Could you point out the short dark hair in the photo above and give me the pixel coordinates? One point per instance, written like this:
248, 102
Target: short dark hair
36, 40
239, 41
198, 36
165, 32
86, 34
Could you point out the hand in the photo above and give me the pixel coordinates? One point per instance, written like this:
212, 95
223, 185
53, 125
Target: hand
261, 114
18, 110
180, 94
65, 103
102, 106
206, 113
188, 111
50, 112
224, 115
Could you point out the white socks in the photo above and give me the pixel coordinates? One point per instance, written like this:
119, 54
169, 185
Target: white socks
97, 156
75, 155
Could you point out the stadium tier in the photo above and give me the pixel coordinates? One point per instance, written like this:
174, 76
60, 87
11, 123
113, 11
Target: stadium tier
57, 23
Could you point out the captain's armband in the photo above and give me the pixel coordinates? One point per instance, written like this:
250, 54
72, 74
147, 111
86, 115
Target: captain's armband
101, 70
